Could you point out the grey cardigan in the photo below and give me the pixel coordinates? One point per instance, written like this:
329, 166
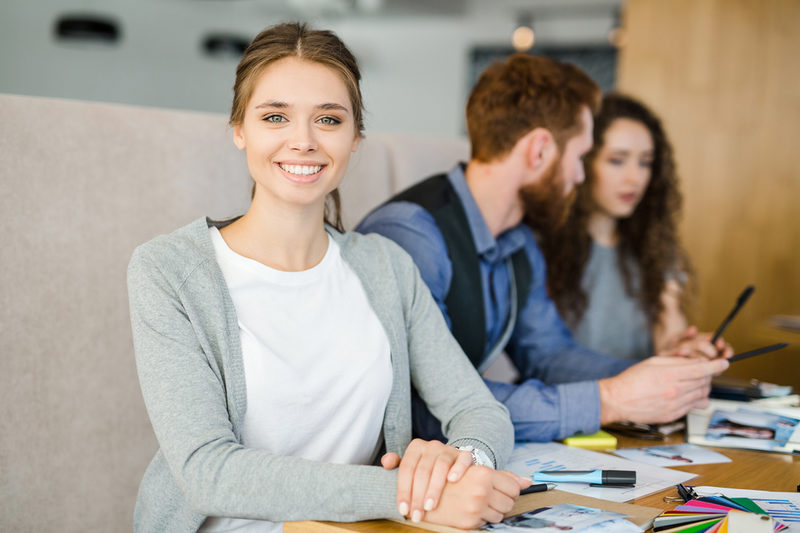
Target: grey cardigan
189, 361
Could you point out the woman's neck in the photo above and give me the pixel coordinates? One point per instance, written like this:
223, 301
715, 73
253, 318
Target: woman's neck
603, 229
285, 238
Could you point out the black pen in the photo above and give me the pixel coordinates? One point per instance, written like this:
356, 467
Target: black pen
759, 351
537, 487
740, 301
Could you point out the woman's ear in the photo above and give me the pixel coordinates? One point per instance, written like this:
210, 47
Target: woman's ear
238, 137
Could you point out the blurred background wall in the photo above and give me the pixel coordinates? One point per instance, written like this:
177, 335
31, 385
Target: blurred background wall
722, 74
415, 55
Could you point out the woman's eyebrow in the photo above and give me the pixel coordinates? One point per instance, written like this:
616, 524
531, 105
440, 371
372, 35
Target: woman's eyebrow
272, 103
333, 106
329, 106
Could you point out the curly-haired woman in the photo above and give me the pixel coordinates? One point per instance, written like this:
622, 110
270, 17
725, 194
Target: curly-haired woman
616, 269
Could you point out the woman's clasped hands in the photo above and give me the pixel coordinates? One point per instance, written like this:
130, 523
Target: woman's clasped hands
438, 483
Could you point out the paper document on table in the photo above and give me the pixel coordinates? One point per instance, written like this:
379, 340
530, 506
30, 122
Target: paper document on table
563, 516
783, 506
672, 455
530, 457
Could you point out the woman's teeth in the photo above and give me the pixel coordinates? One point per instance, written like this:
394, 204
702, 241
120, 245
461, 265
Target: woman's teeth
301, 170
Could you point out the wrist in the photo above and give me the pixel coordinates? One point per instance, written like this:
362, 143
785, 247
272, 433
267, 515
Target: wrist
608, 410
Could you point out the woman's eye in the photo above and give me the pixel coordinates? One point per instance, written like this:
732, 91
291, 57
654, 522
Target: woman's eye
646, 164
616, 161
274, 119
330, 121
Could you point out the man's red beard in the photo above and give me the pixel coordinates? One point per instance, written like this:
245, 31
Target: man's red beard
546, 206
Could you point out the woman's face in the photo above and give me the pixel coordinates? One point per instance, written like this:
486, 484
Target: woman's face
622, 168
298, 132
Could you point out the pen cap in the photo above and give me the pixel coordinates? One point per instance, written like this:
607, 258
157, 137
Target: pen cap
619, 477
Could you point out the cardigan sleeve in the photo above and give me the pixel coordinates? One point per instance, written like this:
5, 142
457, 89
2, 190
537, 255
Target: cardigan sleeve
185, 396
445, 378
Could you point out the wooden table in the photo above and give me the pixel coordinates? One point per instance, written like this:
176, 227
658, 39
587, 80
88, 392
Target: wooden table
748, 470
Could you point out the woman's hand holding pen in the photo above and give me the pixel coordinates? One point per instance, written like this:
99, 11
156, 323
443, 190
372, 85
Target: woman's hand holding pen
692, 343
438, 482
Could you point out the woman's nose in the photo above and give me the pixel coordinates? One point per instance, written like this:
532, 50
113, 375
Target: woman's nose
635, 174
302, 139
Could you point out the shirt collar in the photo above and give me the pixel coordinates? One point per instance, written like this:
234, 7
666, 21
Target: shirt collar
488, 247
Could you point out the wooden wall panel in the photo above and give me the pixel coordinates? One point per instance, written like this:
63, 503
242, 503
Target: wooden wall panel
725, 77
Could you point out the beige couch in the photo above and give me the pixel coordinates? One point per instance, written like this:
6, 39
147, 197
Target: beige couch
83, 184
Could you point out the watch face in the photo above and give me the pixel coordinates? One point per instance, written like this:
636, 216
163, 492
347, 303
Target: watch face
479, 458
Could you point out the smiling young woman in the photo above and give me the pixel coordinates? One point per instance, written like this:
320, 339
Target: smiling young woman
616, 269
276, 353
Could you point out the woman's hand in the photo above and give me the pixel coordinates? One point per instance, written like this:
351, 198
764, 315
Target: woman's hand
423, 472
692, 343
482, 495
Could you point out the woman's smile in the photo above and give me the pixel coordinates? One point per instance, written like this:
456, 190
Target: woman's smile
302, 173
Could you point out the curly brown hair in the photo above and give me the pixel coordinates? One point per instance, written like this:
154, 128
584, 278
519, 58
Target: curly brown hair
649, 235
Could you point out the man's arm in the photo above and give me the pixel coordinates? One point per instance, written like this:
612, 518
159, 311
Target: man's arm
539, 411
414, 229
658, 389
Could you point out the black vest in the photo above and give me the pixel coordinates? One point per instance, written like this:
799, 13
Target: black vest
464, 300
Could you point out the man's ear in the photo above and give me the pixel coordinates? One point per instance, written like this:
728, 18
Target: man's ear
238, 137
542, 149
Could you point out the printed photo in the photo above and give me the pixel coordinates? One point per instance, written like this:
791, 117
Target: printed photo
755, 429
563, 517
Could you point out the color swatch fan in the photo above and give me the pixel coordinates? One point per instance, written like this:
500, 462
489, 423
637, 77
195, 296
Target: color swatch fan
717, 514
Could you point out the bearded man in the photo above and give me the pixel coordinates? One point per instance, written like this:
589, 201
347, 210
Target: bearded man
469, 232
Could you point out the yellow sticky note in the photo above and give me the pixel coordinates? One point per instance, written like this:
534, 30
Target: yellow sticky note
596, 441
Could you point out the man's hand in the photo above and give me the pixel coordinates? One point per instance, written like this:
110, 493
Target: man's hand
423, 471
691, 343
659, 389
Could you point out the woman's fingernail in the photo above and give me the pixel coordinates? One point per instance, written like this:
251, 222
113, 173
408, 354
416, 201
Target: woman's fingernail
403, 508
429, 504
416, 516
452, 476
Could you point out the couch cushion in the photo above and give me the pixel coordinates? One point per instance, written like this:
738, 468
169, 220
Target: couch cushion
83, 184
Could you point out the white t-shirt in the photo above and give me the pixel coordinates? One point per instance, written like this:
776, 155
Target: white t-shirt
316, 363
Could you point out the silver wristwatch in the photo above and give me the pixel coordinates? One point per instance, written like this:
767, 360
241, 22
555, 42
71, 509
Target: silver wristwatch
479, 457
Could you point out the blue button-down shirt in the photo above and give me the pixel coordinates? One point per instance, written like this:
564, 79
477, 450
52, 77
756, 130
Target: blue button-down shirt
558, 396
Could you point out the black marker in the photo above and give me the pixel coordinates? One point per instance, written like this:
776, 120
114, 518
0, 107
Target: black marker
537, 487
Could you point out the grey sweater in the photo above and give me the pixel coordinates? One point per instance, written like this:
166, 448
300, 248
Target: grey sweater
189, 361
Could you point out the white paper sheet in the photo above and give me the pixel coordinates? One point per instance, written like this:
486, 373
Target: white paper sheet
672, 455
530, 457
